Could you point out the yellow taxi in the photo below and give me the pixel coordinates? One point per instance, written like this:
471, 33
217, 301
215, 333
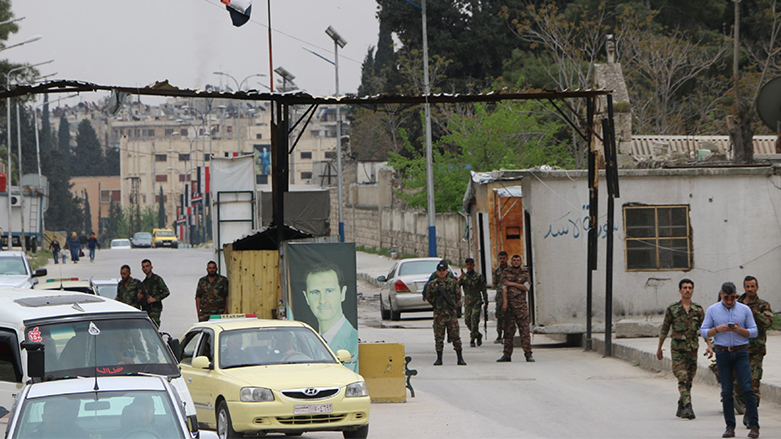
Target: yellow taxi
253, 376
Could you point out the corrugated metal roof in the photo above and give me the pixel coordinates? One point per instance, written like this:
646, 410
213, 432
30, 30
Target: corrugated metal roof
164, 88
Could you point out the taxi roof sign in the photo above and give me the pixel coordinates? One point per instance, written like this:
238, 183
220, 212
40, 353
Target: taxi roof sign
233, 316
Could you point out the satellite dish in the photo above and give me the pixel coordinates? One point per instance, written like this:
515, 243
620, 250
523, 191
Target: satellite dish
769, 103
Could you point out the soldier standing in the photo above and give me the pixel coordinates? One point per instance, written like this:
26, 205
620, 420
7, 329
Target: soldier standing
475, 295
502, 258
156, 291
757, 347
685, 318
515, 284
443, 295
129, 288
211, 295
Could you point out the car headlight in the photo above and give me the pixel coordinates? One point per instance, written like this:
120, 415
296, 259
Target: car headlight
249, 394
356, 389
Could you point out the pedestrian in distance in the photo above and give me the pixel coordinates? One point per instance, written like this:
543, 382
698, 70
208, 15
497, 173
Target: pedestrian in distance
684, 318
155, 291
211, 294
74, 245
757, 347
515, 284
444, 297
54, 246
731, 324
475, 295
83, 240
129, 289
93, 245
497, 279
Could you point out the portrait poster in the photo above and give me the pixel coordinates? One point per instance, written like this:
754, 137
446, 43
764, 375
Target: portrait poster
321, 279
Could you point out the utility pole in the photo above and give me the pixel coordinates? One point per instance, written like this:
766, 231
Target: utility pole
432, 226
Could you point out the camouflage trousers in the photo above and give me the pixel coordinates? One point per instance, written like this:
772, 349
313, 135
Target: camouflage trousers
517, 315
447, 321
154, 314
472, 318
499, 314
684, 369
755, 364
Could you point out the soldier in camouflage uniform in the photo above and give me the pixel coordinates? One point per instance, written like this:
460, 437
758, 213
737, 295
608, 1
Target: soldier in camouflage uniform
502, 258
685, 318
515, 284
757, 347
129, 288
211, 295
475, 295
444, 297
156, 291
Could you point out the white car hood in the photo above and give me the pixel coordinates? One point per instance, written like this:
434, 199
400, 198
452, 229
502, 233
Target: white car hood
15, 281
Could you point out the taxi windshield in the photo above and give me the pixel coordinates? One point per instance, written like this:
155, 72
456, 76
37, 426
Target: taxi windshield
122, 346
132, 414
166, 233
266, 346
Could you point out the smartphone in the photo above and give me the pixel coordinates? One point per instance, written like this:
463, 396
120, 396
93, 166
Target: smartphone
731, 324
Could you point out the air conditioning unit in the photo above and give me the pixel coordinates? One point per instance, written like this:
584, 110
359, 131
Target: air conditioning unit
16, 201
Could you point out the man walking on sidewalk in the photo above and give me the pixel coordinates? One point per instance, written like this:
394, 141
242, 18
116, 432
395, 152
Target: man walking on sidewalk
731, 324
685, 318
757, 347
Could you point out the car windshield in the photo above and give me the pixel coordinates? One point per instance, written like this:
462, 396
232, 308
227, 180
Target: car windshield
120, 243
418, 267
264, 346
131, 414
12, 265
166, 233
142, 235
109, 291
122, 346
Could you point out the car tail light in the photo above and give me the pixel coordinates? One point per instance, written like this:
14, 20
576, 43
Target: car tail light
401, 287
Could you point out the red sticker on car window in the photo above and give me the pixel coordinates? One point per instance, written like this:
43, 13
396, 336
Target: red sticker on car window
34, 335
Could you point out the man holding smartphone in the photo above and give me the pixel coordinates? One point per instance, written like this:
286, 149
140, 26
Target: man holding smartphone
731, 324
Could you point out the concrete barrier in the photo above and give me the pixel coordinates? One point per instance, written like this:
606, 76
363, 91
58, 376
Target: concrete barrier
382, 366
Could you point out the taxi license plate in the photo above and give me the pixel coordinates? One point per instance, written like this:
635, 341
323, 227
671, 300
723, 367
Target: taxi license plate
312, 409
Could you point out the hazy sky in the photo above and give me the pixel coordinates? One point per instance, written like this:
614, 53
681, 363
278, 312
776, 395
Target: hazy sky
138, 42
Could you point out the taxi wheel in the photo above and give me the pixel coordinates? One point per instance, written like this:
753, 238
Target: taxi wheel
361, 433
224, 424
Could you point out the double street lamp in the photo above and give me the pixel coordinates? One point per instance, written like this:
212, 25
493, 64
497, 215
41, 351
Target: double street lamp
338, 42
239, 85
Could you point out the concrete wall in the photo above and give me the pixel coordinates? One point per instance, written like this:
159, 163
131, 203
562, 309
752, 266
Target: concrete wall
735, 227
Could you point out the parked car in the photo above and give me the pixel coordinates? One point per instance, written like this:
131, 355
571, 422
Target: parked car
106, 287
141, 240
133, 407
15, 271
248, 375
164, 238
402, 288
120, 244
68, 284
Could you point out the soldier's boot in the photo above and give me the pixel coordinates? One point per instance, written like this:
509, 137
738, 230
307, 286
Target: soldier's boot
529, 358
687, 412
499, 340
504, 359
439, 359
460, 357
472, 343
680, 408
479, 339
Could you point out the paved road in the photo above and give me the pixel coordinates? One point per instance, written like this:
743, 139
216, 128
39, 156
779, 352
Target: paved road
567, 393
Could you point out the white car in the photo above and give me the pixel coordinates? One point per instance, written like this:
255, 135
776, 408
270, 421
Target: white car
107, 287
133, 407
402, 288
68, 284
120, 244
15, 271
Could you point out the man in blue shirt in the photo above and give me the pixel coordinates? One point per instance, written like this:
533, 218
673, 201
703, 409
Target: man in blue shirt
731, 324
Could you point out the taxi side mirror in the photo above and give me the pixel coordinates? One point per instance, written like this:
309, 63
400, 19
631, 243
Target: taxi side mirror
343, 355
202, 362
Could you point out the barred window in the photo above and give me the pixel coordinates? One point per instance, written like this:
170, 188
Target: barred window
161, 157
657, 238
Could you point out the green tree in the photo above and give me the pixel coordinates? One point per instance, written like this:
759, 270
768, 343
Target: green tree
88, 156
64, 138
46, 127
87, 214
112, 161
65, 212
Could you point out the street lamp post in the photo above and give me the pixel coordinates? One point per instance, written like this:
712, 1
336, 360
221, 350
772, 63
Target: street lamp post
432, 225
287, 77
238, 109
338, 42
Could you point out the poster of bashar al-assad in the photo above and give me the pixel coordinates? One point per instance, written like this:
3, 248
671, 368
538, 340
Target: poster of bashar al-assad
323, 292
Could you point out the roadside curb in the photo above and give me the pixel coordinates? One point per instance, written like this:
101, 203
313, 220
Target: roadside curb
370, 279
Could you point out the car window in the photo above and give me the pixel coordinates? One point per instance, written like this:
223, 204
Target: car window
188, 347
121, 346
418, 267
10, 361
131, 414
266, 346
392, 271
205, 348
12, 265
109, 291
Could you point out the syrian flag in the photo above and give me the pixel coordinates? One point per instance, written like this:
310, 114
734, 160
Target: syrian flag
239, 10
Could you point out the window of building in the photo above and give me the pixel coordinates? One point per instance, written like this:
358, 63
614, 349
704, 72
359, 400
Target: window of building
184, 157
657, 238
259, 136
169, 132
229, 129
157, 198
184, 177
184, 132
161, 157
107, 196
330, 154
306, 154
161, 178
149, 132
306, 176
207, 157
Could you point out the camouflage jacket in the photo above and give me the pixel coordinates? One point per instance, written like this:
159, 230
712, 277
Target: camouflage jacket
763, 316
155, 286
432, 277
685, 326
212, 295
522, 276
498, 276
129, 293
474, 287
440, 304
